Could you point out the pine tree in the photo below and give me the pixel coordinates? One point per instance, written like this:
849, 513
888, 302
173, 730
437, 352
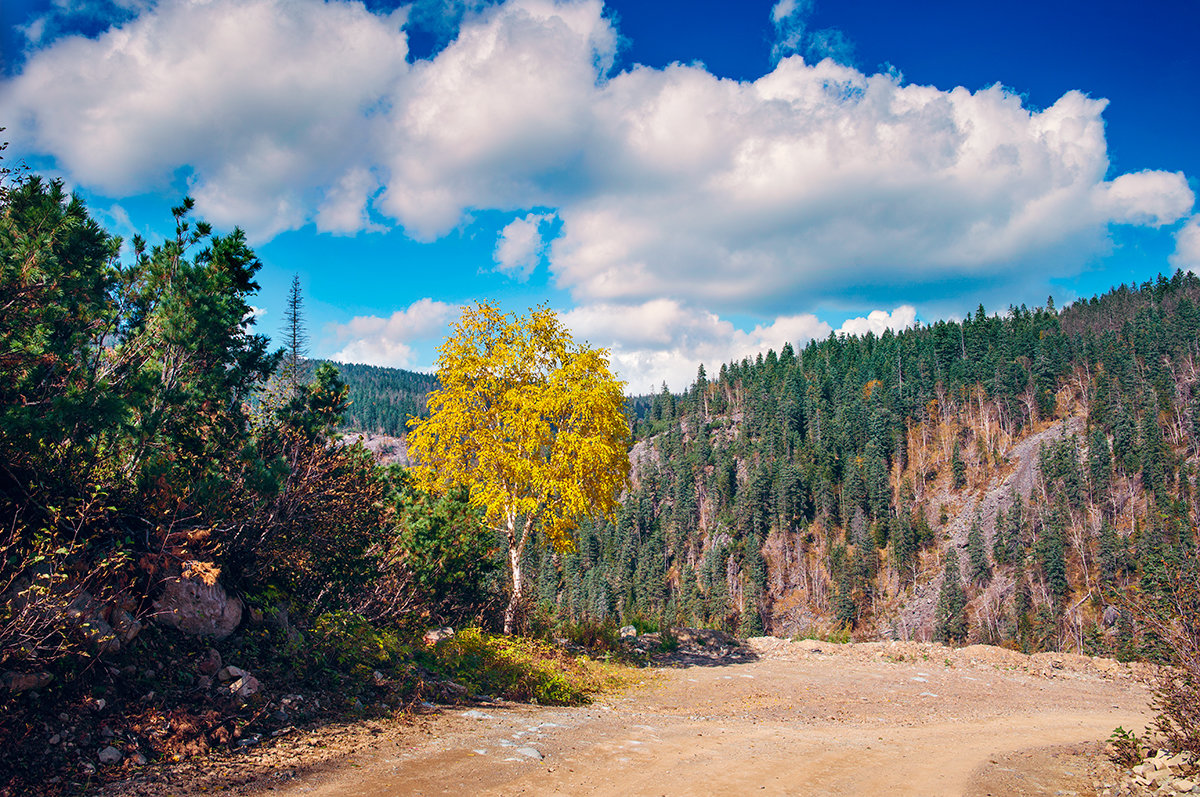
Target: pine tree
951, 618
1112, 556
981, 571
904, 546
1051, 556
1099, 464
294, 369
958, 468
1022, 606
750, 622
1000, 544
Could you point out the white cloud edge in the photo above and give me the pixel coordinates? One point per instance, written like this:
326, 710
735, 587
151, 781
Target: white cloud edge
658, 341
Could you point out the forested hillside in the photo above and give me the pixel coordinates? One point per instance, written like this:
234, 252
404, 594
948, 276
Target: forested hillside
381, 400
1052, 453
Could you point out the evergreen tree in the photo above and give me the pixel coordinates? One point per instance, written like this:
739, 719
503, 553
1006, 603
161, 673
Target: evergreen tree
750, 623
981, 571
1051, 556
293, 370
958, 468
951, 618
1022, 606
1001, 548
1112, 556
1099, 464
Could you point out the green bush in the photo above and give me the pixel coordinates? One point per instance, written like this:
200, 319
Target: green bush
518, 668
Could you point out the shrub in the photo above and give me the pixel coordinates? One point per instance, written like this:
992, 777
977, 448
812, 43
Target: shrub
1169, 613
518, 668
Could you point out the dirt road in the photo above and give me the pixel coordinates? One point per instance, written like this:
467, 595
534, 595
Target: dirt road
795, 718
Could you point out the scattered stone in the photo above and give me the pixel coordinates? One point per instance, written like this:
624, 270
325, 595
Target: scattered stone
209, 663
378, 678
110, 755
628, 631
24, 681
476, 714
244, 688
530, 752
197, 608
138, 759
230, 673
204, 682
436, 635
126, 626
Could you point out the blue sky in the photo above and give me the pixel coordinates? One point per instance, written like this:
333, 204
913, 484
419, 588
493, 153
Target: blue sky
685, 181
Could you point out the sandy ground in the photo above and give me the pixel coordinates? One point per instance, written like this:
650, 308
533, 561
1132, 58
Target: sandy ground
795, 718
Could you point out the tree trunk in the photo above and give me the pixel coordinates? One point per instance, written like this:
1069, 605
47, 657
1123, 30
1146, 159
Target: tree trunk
514, 601
516, 552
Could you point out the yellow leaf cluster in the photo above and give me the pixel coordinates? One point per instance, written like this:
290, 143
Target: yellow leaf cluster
531, 422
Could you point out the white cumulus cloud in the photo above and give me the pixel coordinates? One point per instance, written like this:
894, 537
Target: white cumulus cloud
373, 340
520, 246
1187, 246
662, 340
879, 321
266, 101
757, 197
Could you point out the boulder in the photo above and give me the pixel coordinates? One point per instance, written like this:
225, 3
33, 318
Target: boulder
209, 663
126, 625
24, 681
436, 635
100, 635
87, 615
244, 688
230, 673
110, 755
628, 631
1110, 617
197, 608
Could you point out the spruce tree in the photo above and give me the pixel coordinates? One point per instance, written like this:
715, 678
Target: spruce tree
1000, 544
293, 370
958, 468
1099, 464
981, 571
951, 617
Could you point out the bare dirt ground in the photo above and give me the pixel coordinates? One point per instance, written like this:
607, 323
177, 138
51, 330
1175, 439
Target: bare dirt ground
777, 717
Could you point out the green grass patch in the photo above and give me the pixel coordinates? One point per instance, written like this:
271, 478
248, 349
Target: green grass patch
522, 669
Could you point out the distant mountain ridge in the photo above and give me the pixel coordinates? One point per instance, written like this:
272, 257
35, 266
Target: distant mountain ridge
382, 399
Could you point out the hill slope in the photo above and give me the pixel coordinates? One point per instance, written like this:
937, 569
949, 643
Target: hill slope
1054, 452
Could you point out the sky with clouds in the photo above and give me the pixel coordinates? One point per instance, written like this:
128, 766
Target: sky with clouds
685, 182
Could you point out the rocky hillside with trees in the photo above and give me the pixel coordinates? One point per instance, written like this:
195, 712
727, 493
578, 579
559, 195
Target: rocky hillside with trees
1004, 479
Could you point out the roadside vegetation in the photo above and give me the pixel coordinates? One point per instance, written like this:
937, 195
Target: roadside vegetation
192, 558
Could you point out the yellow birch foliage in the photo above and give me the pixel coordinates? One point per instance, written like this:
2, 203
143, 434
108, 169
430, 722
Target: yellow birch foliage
529, 421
